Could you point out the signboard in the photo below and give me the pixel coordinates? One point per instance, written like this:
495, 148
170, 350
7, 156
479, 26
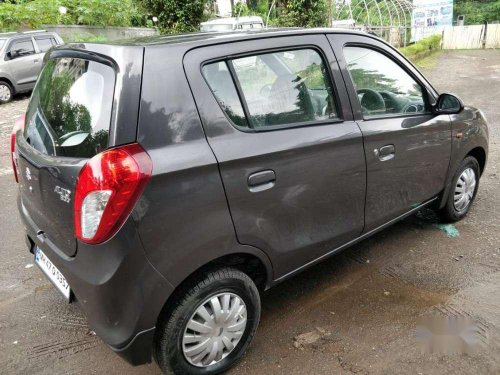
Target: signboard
430, 17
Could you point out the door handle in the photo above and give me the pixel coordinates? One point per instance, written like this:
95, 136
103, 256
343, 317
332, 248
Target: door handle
261, 181
385, 153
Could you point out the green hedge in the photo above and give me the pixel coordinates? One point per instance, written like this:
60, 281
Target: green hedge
35, 13
422, 48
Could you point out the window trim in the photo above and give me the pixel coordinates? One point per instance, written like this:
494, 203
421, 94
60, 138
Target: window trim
251, 129
239, 92
404, 68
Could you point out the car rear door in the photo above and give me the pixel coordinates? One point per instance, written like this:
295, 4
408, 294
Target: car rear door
67, 122
291, 157
407, 147
43, 44
71, 117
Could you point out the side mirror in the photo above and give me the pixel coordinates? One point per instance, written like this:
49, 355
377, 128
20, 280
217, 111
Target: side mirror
448, 104
12, 54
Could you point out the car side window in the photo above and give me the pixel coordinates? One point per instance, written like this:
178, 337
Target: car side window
221, 83
44, 44
281, 88
22, 48
383, 87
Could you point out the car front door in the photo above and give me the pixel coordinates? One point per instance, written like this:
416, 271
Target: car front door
23, 62
407, 147
277, 117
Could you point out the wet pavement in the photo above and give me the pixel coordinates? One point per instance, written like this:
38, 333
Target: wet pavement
357, 312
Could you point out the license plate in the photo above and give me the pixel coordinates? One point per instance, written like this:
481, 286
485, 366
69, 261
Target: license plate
52, 273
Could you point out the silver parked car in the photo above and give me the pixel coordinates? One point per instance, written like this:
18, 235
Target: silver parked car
21, 58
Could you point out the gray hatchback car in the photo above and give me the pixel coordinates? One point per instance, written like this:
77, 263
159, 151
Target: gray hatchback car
21, 57
164, 183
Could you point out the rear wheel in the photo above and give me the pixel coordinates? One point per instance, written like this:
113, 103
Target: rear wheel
208, 326
463, 190
6, 92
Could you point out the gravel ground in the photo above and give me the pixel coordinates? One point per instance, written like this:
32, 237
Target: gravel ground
354, 313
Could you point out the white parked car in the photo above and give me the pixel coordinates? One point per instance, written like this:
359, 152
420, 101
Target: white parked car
233, 23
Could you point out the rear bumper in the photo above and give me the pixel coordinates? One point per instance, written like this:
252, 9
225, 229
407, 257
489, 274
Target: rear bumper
117, 288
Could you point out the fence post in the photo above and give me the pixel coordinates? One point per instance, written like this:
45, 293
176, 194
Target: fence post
485, 30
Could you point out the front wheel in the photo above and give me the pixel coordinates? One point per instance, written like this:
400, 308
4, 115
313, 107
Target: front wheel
209, 325
463, 190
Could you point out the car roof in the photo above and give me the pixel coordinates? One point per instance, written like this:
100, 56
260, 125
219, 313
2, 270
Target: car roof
205, 38
15, 35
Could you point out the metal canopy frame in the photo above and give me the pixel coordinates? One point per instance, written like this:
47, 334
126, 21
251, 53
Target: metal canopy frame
392, 13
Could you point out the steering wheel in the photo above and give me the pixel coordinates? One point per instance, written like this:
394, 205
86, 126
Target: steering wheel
372, 100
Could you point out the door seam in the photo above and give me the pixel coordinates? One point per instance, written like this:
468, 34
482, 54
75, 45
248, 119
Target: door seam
213, 153
359, 127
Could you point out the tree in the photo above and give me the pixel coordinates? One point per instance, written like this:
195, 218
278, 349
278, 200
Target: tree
304, 13
477, 11
177, 15
34, 14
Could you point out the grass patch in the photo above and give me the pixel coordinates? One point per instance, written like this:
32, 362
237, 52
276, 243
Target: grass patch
423, 49
428, 61
85, 38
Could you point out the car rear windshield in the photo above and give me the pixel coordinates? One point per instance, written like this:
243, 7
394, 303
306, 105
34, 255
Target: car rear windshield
70, 109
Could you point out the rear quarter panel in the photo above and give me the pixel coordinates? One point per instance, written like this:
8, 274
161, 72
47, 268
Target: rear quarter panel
183, 220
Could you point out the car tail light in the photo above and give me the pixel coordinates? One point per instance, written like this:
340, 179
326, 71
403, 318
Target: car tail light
107, 190
18, 125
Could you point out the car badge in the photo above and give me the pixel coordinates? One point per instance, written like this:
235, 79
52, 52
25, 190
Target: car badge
64, 194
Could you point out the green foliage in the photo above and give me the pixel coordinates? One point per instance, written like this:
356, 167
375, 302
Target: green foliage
261, 8
87, 37
241, 9
33, 14
478, 11
177, 15
422, 48
303, 13
99, 12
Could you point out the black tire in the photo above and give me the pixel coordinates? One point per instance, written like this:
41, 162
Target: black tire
449, 213
173, 320
11, 91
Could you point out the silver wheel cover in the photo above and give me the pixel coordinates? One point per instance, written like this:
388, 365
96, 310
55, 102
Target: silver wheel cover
214, 330
464, 190
5, 93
